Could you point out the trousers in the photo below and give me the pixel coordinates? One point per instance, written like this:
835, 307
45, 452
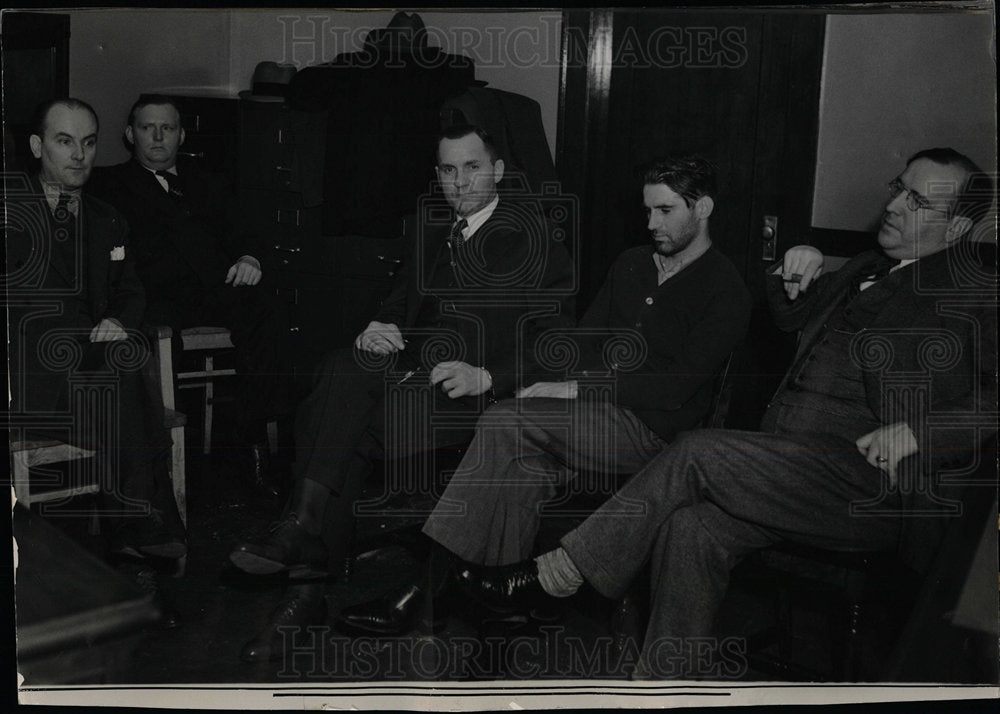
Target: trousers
524, 452
713, 497
358, 412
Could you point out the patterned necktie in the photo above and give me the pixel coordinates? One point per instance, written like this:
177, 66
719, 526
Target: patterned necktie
62, 212
173, 183
455, 237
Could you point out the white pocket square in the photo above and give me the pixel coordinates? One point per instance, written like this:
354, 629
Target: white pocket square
118, 253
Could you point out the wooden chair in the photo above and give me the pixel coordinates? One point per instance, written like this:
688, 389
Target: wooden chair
27, 454
211, 341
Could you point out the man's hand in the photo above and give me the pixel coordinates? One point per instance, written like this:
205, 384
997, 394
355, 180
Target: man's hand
245, 271
800, 266
108, 330
551, 390
459, 379
382, 338
884, 448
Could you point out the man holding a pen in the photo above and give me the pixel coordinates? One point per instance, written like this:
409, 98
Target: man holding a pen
462, 318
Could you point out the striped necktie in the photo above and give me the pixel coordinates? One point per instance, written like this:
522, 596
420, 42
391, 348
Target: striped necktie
173, 183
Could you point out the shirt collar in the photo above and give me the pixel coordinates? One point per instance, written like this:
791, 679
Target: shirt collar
171, 170
52, 192
480, 217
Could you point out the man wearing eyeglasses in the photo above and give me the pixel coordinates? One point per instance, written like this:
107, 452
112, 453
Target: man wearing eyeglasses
894, 378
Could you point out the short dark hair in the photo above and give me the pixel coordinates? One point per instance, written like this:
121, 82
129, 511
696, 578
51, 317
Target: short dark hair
690, 177
978, 190
146, 100
458, 131
41, 113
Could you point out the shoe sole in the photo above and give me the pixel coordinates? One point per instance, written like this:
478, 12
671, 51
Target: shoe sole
171, 551
351, 629
258, 565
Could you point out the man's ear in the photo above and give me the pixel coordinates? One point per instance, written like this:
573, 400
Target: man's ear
128, 135
703, 207
182, 137
35, 142
957, 227
498, 170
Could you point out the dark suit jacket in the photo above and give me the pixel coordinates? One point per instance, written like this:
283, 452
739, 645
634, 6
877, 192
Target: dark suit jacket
938, 321
526, 288
181, 248
937, 332
44, 291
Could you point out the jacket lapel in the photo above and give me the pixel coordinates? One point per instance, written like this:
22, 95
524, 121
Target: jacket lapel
97, 254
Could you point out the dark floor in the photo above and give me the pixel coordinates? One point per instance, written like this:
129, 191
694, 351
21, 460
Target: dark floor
219, 610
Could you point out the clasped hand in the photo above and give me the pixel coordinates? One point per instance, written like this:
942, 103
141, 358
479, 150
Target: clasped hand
245, 271
382, 338
460, 379
885, 447
108, 330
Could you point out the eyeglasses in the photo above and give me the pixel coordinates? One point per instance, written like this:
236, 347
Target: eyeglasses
913, 199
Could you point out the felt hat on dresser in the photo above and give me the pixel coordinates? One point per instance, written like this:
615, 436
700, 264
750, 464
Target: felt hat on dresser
270, 82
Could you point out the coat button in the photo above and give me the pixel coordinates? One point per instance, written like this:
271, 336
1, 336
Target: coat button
649, 301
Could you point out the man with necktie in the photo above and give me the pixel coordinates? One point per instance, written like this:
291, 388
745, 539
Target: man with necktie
74, 309
462, 320
200, 262
895, 377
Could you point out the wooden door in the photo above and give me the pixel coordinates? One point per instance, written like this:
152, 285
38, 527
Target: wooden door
742, 89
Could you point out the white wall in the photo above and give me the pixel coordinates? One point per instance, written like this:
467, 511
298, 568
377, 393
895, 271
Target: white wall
117, 54
894, 84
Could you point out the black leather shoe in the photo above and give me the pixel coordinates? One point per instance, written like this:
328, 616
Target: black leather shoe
504, 587
295, 611
140, 536
287, 546
394, 613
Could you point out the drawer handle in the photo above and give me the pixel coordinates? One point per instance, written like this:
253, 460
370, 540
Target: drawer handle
288, 250
293, 329
283, 168
393, 261
192, 154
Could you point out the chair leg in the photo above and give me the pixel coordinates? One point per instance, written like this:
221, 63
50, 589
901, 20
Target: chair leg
22, 487
209, 396
177, 472
94, 525
272, 436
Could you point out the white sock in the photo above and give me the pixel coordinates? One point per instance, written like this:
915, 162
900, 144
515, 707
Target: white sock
558, 574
